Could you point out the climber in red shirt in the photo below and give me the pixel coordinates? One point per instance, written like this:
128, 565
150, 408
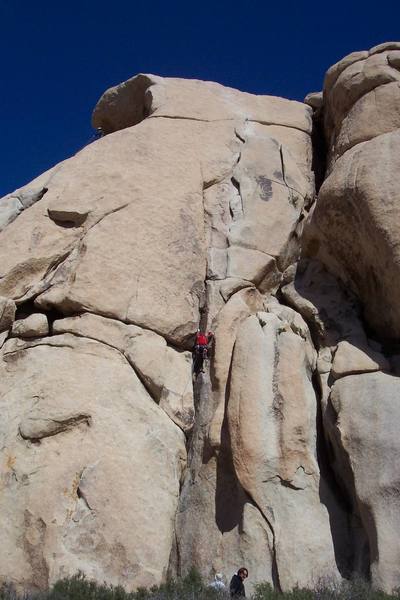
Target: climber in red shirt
201, 339
201, 349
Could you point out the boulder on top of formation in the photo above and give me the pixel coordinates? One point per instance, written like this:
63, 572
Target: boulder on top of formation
149, 95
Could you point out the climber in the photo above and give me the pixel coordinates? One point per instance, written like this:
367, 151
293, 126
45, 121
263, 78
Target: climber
236, 586
201, 349
218, 583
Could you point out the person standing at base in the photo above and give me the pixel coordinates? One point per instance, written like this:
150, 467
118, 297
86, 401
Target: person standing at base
218, 583
236, 586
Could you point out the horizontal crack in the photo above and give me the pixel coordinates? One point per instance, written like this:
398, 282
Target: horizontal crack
233, 119
268, 123
284, 482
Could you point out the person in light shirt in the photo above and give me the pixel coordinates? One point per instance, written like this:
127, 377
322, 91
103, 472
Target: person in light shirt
218, 583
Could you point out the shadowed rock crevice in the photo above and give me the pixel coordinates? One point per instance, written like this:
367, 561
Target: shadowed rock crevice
230, 496
67, 219
320, 148
336, 498
341, 473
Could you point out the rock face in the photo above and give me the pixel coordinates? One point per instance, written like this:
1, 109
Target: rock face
117, 459
75, 487
363, 432
354, 227
353, 230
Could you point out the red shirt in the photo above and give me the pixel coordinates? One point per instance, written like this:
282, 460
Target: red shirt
201, 339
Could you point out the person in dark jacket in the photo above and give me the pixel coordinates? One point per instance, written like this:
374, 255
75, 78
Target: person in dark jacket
236, 586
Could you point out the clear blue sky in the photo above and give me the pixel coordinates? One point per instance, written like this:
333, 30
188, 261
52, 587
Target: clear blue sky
58, 56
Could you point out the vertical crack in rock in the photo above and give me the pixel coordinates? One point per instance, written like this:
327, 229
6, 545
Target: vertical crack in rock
345, 553
230, 496
226, 456
282, 165
80, 493
236, 212
362, 551
199, 451
319, 148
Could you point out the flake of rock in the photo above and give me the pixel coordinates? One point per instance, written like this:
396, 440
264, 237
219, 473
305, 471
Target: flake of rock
350, 360
36, 325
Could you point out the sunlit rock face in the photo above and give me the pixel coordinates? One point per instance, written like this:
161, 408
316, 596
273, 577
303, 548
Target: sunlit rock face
189, 212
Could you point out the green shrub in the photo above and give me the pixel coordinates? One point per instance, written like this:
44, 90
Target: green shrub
264, 591
79, 587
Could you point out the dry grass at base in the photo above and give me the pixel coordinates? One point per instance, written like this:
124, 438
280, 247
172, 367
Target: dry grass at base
192, 587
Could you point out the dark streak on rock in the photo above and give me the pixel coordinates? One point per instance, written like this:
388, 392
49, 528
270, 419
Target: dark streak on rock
265, 186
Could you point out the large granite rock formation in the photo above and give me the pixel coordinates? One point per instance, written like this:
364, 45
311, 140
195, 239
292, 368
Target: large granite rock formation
355, 222
116, 459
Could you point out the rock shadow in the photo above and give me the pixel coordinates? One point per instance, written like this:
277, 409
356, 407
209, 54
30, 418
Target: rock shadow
230, 497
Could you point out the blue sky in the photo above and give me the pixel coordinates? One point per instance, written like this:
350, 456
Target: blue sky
58, 56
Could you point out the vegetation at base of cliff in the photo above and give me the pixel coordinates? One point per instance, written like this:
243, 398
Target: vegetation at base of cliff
192, 587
